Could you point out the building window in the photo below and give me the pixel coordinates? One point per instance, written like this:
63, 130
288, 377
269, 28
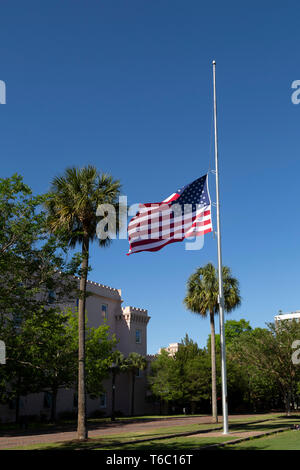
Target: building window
138, 373
103, 400
138, 336
104, 310
77, 303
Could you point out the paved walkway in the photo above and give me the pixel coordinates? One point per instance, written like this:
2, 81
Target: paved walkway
26, 438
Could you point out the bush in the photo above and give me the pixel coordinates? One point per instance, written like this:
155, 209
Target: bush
97, 414
67, 415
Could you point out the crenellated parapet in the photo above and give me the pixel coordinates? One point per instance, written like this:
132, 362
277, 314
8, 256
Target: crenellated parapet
136, 315
103, 290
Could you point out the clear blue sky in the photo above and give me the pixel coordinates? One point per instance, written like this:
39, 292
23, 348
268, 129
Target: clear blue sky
126, 85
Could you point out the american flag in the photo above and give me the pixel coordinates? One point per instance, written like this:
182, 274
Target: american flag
186, 213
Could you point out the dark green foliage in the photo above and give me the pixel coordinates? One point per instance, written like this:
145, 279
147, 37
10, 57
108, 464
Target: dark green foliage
134, 363
182, 380
36, 280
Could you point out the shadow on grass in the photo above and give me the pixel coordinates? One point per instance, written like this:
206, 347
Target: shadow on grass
291, 417
93, 424
163, 445
165, 442
36, 430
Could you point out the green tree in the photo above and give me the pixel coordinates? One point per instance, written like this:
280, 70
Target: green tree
58, 350
53, 352
30, 260
233, 329
202, 298
99, 358
164, 378
198, 389
194, 366
72, 213
135, 363
238, 379
100, 352
181, 379
268, 355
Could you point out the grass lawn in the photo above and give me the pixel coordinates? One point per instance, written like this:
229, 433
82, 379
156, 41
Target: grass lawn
132, 441
115, 443
288, 440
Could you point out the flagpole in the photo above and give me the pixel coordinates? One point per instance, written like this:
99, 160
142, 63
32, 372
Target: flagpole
220, 273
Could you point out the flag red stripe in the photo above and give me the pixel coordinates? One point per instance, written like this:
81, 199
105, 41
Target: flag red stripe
179, 228
136, 221
144, 247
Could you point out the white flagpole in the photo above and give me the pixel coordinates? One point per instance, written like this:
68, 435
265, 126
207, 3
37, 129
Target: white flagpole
220, 274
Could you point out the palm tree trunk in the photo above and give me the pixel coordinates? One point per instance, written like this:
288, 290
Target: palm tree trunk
82, 427
113, 396
132, 393
213, 369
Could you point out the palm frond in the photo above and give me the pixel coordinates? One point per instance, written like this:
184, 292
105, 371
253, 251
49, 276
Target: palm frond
73, 200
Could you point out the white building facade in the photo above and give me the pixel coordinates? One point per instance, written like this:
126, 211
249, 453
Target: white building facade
288, 316
172, 349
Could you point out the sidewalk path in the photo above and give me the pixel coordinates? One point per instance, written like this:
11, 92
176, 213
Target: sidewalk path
27, 438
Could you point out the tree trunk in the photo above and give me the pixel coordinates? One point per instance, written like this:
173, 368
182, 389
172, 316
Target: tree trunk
132, 393
288, 402
18, 408
213, 369
113, 396
18, 398
53, 405
82, 427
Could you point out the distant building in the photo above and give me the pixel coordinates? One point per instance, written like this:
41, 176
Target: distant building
288, 316
172, 349
129, 324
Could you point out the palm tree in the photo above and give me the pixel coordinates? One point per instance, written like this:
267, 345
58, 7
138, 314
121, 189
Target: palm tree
119, 365
202, 298
135, 363
72, 204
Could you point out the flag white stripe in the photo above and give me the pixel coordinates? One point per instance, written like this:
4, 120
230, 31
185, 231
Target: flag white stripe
164, 242
138, 220
165, 229
170, 197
